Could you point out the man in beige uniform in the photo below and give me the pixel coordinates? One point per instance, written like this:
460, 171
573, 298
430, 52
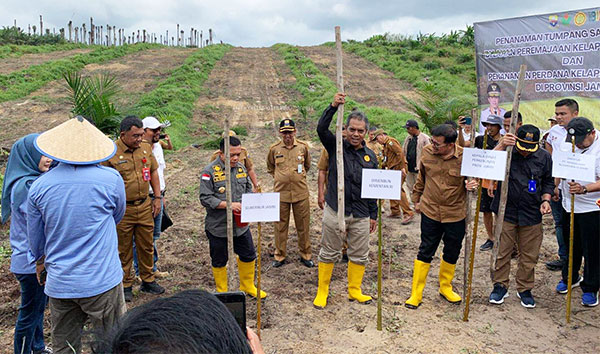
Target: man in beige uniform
393, 159
288, 161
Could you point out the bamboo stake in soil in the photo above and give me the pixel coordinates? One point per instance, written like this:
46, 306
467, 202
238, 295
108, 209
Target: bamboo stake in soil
504, 189
258, 259
338, 136
379, 261
467, 248
473, 241
231, 262
571, 229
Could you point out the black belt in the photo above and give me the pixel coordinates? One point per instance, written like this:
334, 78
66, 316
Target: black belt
136, 202
162, 194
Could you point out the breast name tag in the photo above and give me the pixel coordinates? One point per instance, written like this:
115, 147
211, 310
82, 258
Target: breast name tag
532, 187
146, 174
299, 168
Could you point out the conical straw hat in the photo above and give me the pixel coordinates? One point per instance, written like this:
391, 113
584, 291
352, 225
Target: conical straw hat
76, 142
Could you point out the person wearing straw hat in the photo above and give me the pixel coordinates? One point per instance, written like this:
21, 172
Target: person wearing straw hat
213, 197
138, 167
72, 214
244, 160
288, 162
25, 164
530, 187
586, 243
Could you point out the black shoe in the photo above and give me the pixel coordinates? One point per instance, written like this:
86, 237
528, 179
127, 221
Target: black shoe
277, 264
128, 294
555, 265
345, 258
488, 245
307, 262
46, 350
152, 288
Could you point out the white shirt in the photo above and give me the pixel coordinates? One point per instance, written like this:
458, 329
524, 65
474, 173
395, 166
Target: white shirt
467, 136
584, 203
158, 153
556, 137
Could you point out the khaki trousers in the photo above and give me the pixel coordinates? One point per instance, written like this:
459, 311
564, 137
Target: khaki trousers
357, 234
69, 316
411, 179
301, 212
138, 224
528, 240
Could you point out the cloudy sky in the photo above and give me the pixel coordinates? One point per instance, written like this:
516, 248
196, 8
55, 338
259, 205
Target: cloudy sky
255, 23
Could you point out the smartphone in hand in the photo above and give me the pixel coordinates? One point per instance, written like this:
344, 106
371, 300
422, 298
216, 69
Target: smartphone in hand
235, 301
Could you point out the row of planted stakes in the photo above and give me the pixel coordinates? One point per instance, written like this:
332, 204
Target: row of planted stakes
112, 36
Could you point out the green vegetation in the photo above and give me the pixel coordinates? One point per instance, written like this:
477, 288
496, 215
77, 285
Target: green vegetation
22, 83
91, 98
14, 50
318, 90
13, 35
174, 97
446, 62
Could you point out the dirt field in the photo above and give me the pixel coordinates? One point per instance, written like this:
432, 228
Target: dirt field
45, 108
253, 88
8, 65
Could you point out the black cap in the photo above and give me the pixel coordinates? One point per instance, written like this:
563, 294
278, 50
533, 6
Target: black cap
579, 127
528, 138
493, 90
493, 119
287, 125
411, 123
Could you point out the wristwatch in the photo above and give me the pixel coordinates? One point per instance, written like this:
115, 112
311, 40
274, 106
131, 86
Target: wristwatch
584, 190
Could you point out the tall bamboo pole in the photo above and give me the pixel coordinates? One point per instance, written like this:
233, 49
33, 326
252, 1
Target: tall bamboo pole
504, 189
231, 262
338, 135
258, 270
571, 229
380, 259
473, 242
467, 248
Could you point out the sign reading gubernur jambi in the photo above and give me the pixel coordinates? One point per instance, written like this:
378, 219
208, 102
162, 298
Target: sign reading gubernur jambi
562, 54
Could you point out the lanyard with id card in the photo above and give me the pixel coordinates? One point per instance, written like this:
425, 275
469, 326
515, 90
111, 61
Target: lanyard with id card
145, 171
532, 185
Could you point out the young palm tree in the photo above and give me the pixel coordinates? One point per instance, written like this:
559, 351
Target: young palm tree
91, 98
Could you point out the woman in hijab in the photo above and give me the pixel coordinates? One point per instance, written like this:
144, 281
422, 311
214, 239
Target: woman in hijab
25, 164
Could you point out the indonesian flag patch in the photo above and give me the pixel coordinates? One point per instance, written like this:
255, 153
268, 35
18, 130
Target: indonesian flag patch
206, 177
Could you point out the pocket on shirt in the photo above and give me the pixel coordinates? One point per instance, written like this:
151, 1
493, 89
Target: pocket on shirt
454, 176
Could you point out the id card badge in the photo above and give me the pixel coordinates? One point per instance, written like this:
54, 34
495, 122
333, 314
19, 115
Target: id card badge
299, 168
146, 174
532, 187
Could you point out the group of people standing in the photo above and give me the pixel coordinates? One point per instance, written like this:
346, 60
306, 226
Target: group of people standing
85, 210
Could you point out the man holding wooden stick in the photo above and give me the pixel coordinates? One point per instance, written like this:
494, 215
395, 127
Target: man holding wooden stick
530, 188
213, 197
440, 196
360, 214
586, 242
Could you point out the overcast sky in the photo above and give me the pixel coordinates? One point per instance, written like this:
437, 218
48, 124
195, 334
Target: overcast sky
254, 23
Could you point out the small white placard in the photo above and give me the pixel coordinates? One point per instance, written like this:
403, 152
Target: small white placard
381, 184
574, 166
488, 164
260, 207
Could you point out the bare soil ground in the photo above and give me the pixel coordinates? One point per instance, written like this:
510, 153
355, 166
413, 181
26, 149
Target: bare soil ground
244, 86
363, 81
47, 107
8, 65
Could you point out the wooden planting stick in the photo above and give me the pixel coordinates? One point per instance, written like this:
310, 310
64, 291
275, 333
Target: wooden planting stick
231, 262
504, 189
338, 136
571, 229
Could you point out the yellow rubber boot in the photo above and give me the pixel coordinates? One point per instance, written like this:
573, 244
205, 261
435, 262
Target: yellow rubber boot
355, 277
220, 275
420, 271
246, 271
446, 276
325, 271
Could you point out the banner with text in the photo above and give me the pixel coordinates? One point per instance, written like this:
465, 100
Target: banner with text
562, 54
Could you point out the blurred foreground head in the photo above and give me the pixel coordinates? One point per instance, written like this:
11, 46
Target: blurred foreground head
192, 321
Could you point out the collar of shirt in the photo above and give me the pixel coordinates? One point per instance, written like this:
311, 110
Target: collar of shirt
123, 146
456, 154
288, 147
349, 147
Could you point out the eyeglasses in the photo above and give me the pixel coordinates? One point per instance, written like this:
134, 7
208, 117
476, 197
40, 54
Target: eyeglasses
436, 144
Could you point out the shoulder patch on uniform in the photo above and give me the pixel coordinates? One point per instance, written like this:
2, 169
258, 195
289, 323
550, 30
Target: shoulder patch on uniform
367, 158
240, 169
217, 168
205, 177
